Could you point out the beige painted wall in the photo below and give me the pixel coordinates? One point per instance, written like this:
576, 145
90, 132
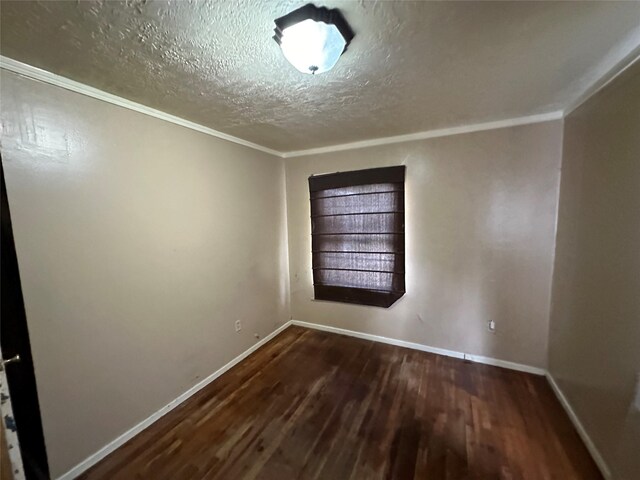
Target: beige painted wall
480, 229
595, 319
140, 243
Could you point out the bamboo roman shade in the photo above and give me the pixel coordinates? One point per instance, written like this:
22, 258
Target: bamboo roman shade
357, 236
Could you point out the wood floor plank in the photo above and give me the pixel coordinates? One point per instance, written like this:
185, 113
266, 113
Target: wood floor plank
316, 405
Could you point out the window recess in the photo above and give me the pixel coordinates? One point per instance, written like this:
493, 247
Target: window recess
357, 236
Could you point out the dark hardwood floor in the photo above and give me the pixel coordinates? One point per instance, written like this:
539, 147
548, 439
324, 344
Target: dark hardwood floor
315, 405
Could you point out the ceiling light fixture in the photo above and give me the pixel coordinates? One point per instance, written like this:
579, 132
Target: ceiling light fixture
313, 38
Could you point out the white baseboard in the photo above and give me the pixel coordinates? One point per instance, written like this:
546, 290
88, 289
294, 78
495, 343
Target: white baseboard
595, 454
129, 434
425, 348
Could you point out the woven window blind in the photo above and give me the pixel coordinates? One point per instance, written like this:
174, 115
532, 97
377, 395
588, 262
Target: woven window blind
357, 236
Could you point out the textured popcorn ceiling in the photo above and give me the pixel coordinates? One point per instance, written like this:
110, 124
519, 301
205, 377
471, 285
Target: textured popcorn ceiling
412, 66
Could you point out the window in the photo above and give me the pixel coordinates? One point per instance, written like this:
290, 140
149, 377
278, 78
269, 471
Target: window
357, 236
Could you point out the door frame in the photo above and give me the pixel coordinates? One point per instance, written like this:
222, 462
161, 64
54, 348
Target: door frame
21, 418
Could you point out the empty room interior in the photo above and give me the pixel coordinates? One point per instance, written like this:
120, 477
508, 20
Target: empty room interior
341, 240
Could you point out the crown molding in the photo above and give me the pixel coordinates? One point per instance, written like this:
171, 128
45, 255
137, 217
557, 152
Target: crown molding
608, 69
441, 132
45, 76
602, 82
604, 77
68, 84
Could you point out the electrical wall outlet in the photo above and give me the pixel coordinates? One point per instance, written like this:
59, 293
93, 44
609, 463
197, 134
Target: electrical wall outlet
238, 325
491, 326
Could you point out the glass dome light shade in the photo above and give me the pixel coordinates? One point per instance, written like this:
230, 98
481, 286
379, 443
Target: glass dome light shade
312, 47
313, 38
